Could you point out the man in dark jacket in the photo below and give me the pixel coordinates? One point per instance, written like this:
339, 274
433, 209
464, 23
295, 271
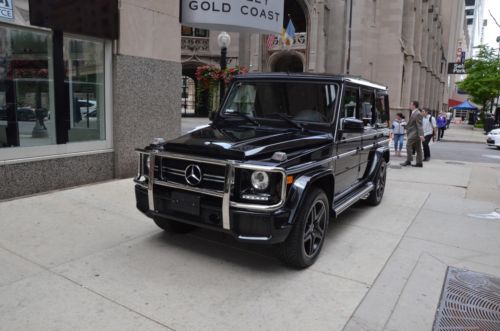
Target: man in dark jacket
415, 136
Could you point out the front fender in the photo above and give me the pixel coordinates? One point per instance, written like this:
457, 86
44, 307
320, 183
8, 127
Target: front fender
302, 185
381, 153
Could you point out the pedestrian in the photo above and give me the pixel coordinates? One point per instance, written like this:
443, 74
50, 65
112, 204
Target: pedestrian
449, 115
441, 123
414, 136
398, 132
429, 126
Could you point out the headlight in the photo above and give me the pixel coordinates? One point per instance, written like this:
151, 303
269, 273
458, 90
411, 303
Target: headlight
260, 180
146, 162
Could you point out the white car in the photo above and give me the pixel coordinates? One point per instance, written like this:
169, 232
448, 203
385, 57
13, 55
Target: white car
494, 138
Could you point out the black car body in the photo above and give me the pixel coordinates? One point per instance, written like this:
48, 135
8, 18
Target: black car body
283, 153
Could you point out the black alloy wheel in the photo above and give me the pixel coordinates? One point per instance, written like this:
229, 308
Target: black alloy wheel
304, 243
379, 182
314, 230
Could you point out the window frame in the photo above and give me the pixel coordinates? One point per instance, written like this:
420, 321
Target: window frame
69, 149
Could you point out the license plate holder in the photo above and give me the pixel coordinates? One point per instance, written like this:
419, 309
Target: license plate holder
185, 203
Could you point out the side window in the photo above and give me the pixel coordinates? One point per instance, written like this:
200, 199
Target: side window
382, 111
368, 112
350, 103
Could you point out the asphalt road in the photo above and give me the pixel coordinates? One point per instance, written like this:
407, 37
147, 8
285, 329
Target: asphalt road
465, 152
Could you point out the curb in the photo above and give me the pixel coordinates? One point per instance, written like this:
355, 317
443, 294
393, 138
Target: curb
463, 141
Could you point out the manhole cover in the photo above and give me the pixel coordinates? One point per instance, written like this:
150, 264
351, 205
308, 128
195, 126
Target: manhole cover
469, 301
453, 162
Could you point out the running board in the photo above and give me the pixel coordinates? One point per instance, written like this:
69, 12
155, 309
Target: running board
353, 199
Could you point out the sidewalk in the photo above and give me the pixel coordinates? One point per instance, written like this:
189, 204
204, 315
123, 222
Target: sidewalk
465, 133
86, 259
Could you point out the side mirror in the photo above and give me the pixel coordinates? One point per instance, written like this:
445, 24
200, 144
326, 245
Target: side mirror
351, 124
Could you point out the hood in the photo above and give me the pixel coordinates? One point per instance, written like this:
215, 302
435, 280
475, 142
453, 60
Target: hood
240, 143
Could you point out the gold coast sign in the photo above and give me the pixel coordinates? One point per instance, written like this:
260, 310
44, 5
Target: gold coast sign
235, 15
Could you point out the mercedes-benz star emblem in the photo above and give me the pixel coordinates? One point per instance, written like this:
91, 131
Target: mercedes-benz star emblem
193, 174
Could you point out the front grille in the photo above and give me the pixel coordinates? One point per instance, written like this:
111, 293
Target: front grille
173, 170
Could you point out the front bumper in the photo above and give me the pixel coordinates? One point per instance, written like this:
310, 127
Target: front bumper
249, 226
490, 141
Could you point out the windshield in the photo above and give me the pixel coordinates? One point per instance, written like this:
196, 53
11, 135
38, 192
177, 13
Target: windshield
305, 102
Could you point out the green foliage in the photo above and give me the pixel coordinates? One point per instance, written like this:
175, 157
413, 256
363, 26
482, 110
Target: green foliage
483, 76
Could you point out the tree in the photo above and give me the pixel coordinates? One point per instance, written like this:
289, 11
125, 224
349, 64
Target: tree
483, 77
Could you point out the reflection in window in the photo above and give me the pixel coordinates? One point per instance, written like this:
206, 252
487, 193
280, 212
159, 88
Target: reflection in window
368, 113
187, 31
84, 62
26, 90
350, 103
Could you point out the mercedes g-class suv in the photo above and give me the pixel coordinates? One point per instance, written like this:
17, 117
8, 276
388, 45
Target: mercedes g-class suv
282, 154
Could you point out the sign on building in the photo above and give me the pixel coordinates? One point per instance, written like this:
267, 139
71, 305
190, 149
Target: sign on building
456, 68
261, 16
6, 9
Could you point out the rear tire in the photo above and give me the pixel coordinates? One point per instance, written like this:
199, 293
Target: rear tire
173, 226
377, 193
304, 243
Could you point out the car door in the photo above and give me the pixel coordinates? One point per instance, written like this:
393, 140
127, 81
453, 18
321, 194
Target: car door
347, 143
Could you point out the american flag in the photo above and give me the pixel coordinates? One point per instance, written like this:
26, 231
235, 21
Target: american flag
270, 41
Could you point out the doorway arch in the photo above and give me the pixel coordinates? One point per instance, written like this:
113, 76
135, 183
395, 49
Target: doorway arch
287, 61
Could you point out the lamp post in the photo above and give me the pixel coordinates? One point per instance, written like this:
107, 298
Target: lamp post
223, 40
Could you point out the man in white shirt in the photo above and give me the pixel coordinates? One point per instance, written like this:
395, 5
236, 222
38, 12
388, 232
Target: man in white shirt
429, 125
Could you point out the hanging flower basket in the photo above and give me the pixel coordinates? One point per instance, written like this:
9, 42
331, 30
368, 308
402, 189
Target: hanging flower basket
209, 74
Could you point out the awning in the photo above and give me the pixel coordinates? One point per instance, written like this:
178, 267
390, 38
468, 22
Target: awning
453, 102
466, 105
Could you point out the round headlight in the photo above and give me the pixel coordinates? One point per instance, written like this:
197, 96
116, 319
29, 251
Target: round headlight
260, 180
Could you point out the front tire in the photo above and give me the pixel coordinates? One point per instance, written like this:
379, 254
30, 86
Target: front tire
377, 193
303, 245
173, 226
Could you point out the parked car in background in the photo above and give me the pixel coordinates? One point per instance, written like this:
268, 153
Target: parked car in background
493, 138
23, 114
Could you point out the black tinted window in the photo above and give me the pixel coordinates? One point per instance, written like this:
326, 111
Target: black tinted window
308, 102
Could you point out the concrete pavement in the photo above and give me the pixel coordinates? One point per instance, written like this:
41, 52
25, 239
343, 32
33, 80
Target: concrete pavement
85, 259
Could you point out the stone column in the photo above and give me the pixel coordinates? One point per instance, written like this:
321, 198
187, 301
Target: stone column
313, 42
336, 48
256, 58
417, 42
408, 34
244, 49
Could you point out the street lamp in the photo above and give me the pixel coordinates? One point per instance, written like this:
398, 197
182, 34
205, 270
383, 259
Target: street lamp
224, 39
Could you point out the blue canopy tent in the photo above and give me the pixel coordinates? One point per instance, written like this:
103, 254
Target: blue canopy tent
466, 105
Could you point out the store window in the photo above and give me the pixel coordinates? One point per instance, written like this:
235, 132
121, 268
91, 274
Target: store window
84, 68
26, 89
28, 111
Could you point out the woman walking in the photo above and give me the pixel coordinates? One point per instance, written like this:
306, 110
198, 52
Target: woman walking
441, 125
398, 131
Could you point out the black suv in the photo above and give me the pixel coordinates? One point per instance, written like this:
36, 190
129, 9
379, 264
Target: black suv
283, 153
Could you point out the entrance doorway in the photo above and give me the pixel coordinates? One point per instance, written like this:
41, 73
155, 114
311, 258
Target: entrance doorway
287, 62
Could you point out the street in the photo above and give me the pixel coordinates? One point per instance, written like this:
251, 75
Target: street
465, 152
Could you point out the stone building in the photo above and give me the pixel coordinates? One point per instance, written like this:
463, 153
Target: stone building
404, 44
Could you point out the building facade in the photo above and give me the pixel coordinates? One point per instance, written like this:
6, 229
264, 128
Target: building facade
404, 44
74, 101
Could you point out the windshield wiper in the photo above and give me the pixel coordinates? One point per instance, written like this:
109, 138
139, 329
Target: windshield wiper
285, 118
245, 116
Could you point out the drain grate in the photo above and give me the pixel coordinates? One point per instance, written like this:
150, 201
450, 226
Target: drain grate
469, 301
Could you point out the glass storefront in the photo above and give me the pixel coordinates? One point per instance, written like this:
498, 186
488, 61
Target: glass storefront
26, 89
28, 114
